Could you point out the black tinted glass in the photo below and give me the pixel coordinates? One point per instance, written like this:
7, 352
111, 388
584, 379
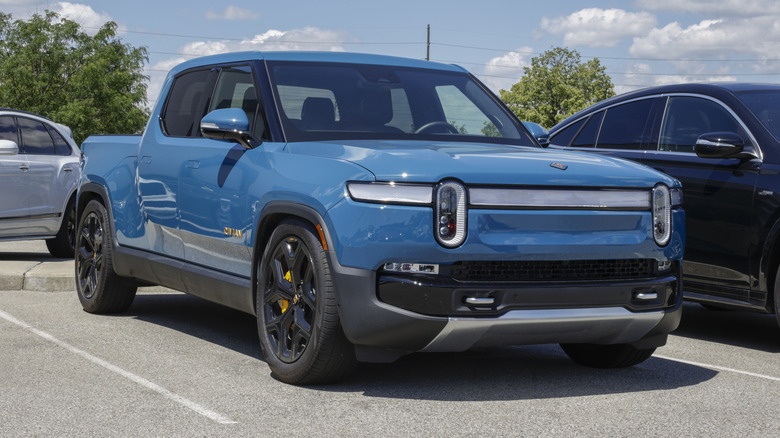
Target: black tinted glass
624, 125
564, 136
687, 118
587, 136
35, 137
765, 104
61, 147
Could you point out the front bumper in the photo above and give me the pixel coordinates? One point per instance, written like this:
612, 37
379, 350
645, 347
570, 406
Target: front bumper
390, 315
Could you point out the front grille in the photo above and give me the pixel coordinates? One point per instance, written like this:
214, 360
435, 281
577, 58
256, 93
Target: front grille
553, 270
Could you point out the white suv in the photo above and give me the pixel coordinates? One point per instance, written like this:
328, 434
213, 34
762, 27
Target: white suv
39, 172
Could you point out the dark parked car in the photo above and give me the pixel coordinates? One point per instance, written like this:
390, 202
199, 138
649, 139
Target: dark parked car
723, 142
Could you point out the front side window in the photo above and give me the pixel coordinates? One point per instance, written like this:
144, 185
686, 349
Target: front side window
587, 136
236, 89
184, 108
336, 101
687, 118
35, 138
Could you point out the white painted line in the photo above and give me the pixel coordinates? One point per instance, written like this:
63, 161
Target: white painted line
716, 367
219, 418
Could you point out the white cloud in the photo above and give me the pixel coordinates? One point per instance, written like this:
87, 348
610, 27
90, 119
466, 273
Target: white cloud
502, 72
84, 15
232, 13
596, 27
309, 38
714, 8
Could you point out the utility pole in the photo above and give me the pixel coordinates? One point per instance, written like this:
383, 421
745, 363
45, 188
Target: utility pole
428, 47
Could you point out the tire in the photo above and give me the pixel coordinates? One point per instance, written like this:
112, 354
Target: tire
297, 312
606, 356
64, 243
99, 288
777, 296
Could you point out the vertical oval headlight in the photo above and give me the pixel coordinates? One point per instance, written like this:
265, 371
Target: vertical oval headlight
450, 217
662, 214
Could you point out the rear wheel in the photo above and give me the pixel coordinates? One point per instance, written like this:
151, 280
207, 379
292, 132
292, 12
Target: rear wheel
297, 313
99, 288
63, 244
606, 356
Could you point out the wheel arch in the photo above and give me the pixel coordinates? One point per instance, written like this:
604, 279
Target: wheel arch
93, 191
770, 263
275, 213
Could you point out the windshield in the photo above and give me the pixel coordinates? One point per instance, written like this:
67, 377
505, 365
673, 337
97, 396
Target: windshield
765, 104
335, 101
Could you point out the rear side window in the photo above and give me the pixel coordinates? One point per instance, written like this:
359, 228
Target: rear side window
624, 126
689, 117
8, 129
565, 136
35, 137
185, 104
587, 136
61, 147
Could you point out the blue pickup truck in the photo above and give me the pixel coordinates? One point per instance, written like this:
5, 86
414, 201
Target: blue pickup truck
365, 207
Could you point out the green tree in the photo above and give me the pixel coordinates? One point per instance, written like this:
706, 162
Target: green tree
556, 85
94, 84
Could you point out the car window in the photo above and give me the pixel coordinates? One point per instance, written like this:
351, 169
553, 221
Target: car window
687, 118
8, 129
61, 147
35, 137
625, 125
335, 101
587, 136
765, 104
184, 107
461, 113
565, 136
236, 89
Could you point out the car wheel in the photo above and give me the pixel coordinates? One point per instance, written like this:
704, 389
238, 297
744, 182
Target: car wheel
63, 244
297, 313
777, 296
606, 356
99, 288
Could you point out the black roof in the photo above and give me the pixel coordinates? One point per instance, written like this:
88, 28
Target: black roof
719, 90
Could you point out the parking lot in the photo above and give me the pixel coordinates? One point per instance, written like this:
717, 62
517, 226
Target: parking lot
175, 365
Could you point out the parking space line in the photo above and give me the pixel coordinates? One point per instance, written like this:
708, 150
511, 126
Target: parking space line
219, 418
719, 368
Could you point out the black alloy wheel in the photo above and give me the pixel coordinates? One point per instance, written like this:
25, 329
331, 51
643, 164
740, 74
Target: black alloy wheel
99, 288
297, 310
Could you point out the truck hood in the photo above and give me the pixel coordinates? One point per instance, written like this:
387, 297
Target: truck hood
482, 163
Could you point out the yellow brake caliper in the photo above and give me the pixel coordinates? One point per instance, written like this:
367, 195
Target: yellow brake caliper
284, 304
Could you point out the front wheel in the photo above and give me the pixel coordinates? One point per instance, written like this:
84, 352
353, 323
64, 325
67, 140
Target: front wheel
606, 356
99, 288
297, 313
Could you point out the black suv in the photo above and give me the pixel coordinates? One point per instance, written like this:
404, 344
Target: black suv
723, 142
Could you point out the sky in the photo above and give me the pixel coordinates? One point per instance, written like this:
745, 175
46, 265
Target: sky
641, 43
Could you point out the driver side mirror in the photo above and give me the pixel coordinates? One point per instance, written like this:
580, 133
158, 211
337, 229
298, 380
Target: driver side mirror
719, 145
229, 124
8, 147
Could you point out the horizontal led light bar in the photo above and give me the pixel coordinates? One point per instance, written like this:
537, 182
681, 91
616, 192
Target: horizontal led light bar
559, 198
391, 192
